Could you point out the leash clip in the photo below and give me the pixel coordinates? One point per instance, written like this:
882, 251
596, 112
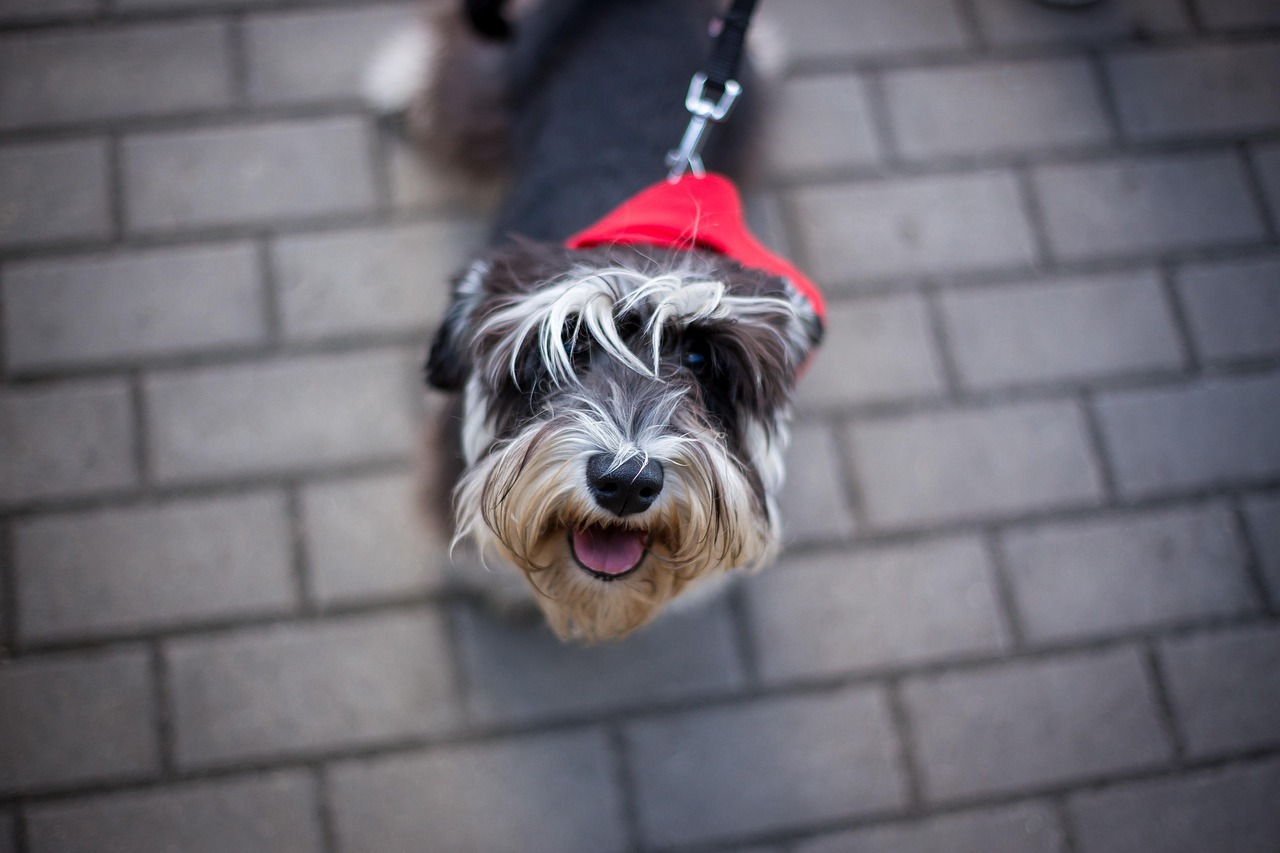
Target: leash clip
704, 111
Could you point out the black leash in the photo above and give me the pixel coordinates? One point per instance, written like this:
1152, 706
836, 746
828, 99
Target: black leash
713, 92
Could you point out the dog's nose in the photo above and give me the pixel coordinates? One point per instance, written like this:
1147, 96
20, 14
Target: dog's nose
624, 489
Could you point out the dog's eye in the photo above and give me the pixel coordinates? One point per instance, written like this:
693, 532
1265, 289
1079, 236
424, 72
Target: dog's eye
696, 360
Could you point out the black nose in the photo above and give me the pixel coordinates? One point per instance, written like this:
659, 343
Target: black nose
630, 487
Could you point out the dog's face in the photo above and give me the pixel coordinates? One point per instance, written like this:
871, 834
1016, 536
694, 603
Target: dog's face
624, 419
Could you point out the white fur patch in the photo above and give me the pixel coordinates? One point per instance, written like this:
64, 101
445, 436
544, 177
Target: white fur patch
596, 298
399, 69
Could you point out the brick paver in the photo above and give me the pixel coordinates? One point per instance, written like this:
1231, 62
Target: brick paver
289, 688
123, 569
997, 107
54, 191
1029, 595
158, 302
1023, 828
1034, 724
269, 814
546, 792
932, 601
1233, 307
1128, 572
1224, 690
76, 718
65, 439
1036, 332
1231, 809
815, 758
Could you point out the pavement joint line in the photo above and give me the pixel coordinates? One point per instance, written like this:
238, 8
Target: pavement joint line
450, 608
625, 786
237, 59
905, 749
846, 476
1099, 454
971, 26
889, 153
324, 816
1165, 710
299, 558
1192, 359
8, 592
1244, 533
269, 284
1105, 87
1033, 214
115, 188
870, 677
162, 708
1253, 178
943, 355
140, 444
960, 806
742, 635
1006, 601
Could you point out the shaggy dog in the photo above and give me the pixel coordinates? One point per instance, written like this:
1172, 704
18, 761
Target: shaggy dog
624, 352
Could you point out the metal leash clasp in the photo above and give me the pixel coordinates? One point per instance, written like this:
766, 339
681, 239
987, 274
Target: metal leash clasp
689, 154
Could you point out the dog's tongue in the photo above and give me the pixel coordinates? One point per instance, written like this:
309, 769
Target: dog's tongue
608, 550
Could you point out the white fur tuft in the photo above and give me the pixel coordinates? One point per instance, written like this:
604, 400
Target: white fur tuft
398, 71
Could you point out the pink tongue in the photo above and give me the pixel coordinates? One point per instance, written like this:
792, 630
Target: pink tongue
608, 550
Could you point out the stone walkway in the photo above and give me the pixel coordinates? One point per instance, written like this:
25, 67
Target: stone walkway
1031, 598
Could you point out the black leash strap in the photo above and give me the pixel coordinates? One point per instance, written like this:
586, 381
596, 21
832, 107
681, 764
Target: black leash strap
712, 93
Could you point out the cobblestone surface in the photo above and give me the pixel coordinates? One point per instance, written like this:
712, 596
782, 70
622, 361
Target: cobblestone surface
1031, 594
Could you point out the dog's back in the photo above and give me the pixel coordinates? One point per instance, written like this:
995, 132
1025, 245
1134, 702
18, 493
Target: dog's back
580, 106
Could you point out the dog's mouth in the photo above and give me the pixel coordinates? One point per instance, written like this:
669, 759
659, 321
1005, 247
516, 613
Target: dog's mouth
608, 553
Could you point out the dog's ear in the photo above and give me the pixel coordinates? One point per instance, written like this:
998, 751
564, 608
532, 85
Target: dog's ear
449, 361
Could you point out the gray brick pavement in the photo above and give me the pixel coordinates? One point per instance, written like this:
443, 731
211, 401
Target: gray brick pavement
1171, 438
54, 191
261, 418
1224, 86
1033, 724
65, 439
288, 688
76, 718
520, 672
1029, 595
1060, 331
402, 276
902, 605
363, 540
275, 813
829, 29
1264, 525
823, 122
1133, 206
121, 570
1129, 572
1224, 691
814, 758
1229, 809
545, 792
1234, 14
1023, 828
814, 502
995, 108
913, 226
1233, 307
125, 307
881, 349
223, 176
57, 78
1009, 23
973, 463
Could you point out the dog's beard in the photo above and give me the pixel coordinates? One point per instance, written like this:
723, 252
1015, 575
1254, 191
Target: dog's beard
528, 495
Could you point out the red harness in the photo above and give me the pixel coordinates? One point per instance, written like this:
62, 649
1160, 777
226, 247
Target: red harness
704, 213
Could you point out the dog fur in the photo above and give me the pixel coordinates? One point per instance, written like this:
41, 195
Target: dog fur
616, 402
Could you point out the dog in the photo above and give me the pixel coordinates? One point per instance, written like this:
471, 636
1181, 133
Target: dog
623, 354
